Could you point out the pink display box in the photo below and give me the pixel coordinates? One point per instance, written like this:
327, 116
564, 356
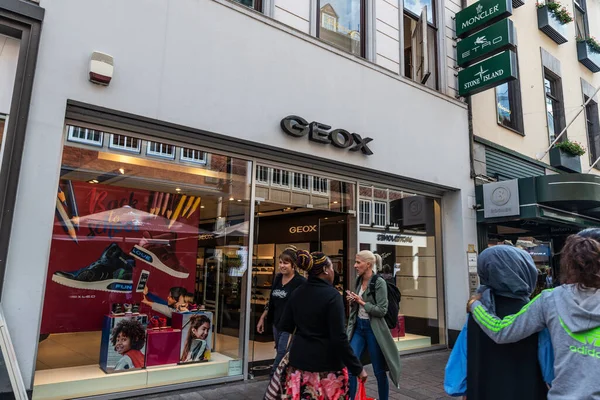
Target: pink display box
163, 347
399, 330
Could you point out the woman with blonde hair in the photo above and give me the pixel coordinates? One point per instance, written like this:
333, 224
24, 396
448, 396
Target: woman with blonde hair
370, 337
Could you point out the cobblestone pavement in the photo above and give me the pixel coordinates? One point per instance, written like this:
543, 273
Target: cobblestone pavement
422, 379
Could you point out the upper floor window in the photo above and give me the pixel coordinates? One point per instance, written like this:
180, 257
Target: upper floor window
84, 135
420, 44
342, 24
280, 177
254, 4
593, 130
126, 143
554, 104
161, 150
508, 106
320, 185
192, 155
379, 213
581, 20
364, 212
262, 174
301, 181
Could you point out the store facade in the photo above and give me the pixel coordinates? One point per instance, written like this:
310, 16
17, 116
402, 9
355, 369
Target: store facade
189, 171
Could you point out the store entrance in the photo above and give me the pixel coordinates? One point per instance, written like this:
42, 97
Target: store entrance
276, 227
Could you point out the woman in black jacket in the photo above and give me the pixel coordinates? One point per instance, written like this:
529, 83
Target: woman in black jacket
320, 355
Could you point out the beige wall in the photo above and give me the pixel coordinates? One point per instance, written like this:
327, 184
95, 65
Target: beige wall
530, 40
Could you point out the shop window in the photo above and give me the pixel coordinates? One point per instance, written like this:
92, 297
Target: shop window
379, 213
593, 130
125, 143
84, 135
581, 19
554, 105
342, 24
420, 44
320, 185
161, 150
194, 156
262, 175
280, 178
125, 248
301, 181
365, 212
509, 107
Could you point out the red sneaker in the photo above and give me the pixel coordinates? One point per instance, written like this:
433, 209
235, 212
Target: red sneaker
162, 323
159, 252
153, 323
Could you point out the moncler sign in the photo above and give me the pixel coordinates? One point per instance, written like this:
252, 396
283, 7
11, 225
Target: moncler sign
481, 14
321, 133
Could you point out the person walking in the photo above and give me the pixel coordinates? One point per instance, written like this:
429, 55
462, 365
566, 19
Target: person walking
370, 337
508, 277
320, 354
571, 313
285, 282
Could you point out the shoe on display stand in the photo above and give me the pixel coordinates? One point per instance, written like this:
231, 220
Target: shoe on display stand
112, 272
153, 323
136, 308
116, 309
159, 252
162, 323
128, 308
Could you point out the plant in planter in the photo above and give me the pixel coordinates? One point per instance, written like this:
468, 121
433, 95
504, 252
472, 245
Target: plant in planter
558, 10
552, 18
565, 156
592, 43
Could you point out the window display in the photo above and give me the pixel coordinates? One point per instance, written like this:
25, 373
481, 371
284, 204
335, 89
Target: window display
148, 255
405, 233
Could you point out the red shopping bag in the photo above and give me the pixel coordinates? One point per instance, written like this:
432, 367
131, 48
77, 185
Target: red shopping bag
361, 393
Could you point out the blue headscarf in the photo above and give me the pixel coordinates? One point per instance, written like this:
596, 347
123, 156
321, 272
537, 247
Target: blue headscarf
505, 271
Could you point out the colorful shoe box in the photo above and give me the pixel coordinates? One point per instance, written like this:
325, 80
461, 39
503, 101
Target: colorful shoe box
123, 343
163, 347
196, 335
399, 331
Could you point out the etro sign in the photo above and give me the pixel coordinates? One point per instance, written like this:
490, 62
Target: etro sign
487, 42
481, 14
320, 133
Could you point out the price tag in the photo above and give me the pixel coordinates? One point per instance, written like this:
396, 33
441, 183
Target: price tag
236, 367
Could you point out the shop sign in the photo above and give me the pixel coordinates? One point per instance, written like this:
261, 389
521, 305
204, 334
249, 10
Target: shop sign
320, 133
488, 73
481, 14
492, 40
382, 237
303, 229
501, 199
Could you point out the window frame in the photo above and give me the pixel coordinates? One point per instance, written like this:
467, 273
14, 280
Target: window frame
266, 182
363, 28
361, 213
320, 179
556, 96
257, 6
385, 214
278, 184
113, 146
183, 158
73, 139
158, 154
514, 94
581, 7
434, 65
594, 152
301, 189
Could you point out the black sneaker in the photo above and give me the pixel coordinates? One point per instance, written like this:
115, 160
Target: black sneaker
113, 272
117, 309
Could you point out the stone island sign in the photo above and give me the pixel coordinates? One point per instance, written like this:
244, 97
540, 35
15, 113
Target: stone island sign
488, 73
481, 14
485, 43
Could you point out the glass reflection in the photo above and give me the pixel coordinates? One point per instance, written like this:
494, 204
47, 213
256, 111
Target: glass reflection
341, 24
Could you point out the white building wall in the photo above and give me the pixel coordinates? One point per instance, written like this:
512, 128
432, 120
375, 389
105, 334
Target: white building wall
214, 65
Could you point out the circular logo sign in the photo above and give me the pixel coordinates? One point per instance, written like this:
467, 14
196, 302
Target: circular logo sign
415, 207
500, 196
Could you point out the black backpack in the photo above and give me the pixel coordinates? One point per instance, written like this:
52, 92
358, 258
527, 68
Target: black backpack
394, 297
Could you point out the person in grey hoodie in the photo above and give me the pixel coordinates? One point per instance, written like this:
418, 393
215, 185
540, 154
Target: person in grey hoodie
571, 313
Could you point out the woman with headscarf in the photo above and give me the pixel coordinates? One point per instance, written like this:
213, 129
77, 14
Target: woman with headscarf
508, 276
320, 355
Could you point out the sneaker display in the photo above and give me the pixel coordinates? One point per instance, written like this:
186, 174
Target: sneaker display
135, 309
117, 309
162, 323
153, 323
112, 272
128, 308
159, 252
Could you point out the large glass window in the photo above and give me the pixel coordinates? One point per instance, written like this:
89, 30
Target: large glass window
342, 24
593, 130
508, 106
554, 106
420, 43
147, 266
410, 248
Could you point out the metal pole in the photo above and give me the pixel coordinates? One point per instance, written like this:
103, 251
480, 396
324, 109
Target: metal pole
593, 165
539, 156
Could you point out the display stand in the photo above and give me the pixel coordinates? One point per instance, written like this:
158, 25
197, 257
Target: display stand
10, 360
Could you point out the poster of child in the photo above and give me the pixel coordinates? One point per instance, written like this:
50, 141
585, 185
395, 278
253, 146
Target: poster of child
123, 343
197, 337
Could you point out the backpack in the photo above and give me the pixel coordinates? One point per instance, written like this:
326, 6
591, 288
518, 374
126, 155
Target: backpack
394, 297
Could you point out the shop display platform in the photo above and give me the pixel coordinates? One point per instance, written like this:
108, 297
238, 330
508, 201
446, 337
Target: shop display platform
91, 380
410, 342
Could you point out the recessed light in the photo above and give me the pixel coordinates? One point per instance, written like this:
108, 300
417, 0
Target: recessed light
177, 189
94, 181
201, 206
231, 199
335, 202
122, 171
239, 199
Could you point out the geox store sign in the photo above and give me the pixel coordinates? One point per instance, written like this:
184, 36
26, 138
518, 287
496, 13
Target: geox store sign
481, 14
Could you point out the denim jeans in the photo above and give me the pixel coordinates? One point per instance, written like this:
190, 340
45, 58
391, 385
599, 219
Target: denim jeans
281, 345
364, 337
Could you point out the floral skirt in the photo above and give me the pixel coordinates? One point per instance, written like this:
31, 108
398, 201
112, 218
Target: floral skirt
302, 385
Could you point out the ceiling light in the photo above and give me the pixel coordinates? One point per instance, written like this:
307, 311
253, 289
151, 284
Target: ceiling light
239, 199
201, 206
231, 199
177, 189
94, 181
122, 171
335, 202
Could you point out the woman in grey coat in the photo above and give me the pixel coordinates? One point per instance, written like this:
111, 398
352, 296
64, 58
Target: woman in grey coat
369, 335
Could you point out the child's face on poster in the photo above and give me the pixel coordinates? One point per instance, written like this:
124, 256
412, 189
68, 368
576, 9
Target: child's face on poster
123, 344
202, 331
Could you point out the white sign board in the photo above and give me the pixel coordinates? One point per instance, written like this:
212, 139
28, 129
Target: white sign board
501, 199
